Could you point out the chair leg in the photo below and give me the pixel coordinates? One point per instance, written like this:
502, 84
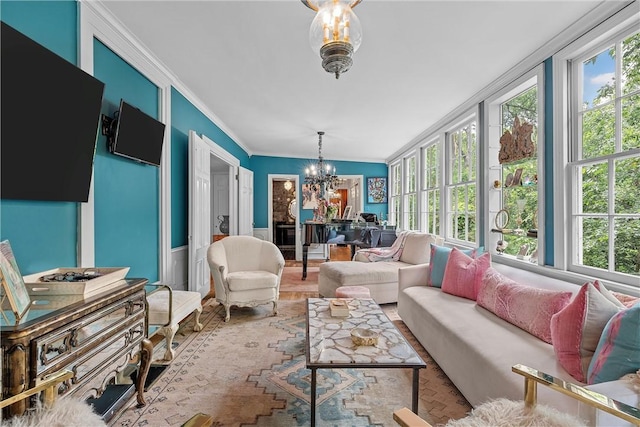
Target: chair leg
197, 327
227, 307
275, 307
169, 332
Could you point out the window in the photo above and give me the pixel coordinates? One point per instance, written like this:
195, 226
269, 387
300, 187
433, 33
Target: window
461, 183
410, 205
395, 194
430, 190
604, 163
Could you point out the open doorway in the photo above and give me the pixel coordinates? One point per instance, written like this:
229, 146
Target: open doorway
284, 209
220, 213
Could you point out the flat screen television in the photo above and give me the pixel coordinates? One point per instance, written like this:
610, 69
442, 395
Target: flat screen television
137, 135
50, 115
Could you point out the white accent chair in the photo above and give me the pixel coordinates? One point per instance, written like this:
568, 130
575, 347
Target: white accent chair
246, 272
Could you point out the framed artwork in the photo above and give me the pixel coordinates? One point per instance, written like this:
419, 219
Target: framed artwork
309, 197
377, 190
347, 212
13, 285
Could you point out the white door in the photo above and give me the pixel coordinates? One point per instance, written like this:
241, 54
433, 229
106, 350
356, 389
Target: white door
245, 202
199, 214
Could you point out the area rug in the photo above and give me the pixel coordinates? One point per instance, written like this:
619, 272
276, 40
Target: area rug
292, 279
251, 372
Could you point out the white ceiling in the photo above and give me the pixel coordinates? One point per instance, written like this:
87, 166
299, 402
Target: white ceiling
251, 64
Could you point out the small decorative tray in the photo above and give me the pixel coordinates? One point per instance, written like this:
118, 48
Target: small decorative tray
361, 336
56, 281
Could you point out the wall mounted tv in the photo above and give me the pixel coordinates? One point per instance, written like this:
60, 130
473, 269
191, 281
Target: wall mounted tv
50, 115
136, 135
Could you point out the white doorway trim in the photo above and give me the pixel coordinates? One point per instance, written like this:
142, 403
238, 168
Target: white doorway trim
234, 164
295, 179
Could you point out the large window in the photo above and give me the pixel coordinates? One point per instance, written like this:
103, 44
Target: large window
410, 201
430, 189
461, 183
395, 194
604, 163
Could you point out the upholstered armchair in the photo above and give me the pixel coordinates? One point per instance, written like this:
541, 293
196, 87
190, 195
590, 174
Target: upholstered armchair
246, 272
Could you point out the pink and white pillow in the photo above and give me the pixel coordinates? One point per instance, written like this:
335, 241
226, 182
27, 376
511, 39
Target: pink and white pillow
576, 329
463, 274
526, 307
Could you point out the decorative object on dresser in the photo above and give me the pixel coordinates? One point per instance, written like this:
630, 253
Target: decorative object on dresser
13, 287
74, 281
95, 337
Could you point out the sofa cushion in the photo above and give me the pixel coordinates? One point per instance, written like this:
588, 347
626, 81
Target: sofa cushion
576, 329
526, 307
438, 262
463, 274
416, 248
618, 351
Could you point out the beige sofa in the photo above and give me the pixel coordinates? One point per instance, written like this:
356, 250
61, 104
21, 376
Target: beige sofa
381, 278
476, 349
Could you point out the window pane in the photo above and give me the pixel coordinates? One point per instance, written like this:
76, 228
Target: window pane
455, 165
630, 63
631, 121
595, 188
472, 228
598, 78
627, 185
595, 242
627, 247
598, 132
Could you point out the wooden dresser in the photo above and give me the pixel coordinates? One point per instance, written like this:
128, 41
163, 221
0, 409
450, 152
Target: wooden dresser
96, 338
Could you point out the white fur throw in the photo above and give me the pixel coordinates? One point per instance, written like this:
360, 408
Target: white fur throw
65, 412
509, 413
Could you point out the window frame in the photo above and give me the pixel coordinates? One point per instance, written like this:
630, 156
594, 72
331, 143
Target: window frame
428, 224
493, 171
410, 191
469, 119
567, 160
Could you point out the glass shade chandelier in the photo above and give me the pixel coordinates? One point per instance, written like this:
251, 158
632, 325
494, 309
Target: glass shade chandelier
321, 177
335, 33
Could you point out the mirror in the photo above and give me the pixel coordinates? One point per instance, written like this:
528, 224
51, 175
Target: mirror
292, 209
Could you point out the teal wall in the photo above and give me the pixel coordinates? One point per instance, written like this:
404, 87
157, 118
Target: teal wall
184, 117
127, 204
262, 166
43, 235
548, 164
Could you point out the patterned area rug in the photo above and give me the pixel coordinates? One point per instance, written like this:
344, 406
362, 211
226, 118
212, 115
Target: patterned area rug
251, 372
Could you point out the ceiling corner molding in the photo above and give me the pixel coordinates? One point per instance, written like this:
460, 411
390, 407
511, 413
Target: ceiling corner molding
109, 30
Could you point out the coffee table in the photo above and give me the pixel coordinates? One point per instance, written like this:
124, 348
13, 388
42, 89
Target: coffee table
329, 344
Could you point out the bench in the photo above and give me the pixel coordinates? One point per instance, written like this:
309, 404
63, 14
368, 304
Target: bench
169, 308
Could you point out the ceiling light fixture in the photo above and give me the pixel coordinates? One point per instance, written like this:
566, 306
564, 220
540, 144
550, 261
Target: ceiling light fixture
321, 177
335, 32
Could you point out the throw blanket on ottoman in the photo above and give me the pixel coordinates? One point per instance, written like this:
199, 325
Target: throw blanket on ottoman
392, 253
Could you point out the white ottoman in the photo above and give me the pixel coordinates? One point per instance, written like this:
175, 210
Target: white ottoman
182, 304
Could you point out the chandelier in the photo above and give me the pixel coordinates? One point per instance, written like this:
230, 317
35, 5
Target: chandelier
321, 177
335, 32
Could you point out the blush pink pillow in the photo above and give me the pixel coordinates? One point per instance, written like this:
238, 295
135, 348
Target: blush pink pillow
463, 274
526, 307
576, 329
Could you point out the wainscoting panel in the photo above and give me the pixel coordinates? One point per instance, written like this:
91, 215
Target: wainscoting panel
262, 234
180, 268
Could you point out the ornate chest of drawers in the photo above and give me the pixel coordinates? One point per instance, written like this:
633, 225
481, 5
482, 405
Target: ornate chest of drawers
96, 338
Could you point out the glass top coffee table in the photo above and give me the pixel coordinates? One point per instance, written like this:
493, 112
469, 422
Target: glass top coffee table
329, 343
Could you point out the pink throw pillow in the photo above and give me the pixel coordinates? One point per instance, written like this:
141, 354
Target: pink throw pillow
526, 307
576, 329
463, 274
626, 300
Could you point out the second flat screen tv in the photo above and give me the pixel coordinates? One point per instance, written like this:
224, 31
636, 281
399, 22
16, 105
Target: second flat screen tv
138, 136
